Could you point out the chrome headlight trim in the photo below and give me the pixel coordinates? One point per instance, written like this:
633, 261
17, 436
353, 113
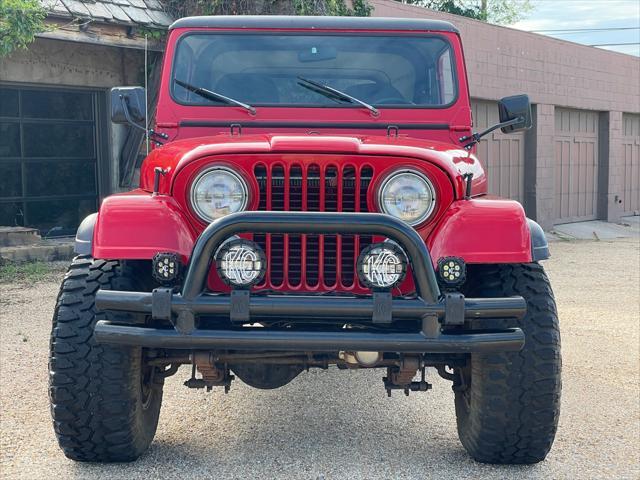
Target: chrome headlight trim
192, 194
385, 183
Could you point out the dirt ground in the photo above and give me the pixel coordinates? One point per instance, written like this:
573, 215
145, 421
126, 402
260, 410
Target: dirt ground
340, 425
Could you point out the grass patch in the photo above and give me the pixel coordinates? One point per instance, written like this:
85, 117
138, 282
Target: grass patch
31, 272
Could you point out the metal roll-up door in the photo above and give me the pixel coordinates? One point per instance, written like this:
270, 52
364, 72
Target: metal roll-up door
576, 165
50, 146
631, 164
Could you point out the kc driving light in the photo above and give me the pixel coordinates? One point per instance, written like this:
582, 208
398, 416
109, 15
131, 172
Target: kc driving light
382, 266
407, 195
240, 263
217, 192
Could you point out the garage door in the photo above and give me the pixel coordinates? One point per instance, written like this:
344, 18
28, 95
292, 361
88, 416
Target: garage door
631, 173
49, 149
576, 165
502, 155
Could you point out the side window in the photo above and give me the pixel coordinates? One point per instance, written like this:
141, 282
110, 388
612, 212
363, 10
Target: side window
445, 78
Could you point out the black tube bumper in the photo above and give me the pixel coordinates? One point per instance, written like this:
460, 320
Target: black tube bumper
283, 340
433, 310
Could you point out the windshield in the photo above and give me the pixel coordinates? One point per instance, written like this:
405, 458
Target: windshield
265, 69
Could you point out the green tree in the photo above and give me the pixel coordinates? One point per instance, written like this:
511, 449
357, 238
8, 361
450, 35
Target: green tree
20, 21
180, 8
503, 12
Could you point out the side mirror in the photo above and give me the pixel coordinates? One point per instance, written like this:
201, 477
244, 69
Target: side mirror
128, 105
516, 109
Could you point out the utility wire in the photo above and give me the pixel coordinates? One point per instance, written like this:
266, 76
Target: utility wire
613, 44
579, 30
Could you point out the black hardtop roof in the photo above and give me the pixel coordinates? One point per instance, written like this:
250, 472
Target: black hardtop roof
320, 23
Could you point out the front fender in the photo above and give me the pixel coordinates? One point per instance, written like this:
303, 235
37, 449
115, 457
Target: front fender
137, 225
483, 230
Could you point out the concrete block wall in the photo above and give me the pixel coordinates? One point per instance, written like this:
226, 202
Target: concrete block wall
612, 168
540, 166
502, 61
61, 63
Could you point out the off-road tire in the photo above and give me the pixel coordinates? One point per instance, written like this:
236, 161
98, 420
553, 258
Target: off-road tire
508, 411
101, 413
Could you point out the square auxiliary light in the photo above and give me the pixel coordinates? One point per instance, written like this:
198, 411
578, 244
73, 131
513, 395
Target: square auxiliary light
166, 267
452, 271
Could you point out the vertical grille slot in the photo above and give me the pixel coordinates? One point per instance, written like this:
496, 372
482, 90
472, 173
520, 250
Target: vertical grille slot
349, 204
312, 261
260, 172
313, 188
294, 270
366, 175
277, 240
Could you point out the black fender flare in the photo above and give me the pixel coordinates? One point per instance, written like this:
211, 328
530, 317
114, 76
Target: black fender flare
539, 244
84, 236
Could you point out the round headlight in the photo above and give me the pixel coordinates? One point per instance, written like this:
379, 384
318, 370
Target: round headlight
408, 195
218, 192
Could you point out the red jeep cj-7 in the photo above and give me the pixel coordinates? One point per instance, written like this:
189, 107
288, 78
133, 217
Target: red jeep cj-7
312, 199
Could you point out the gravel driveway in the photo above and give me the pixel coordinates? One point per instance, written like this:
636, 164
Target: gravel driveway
340, 425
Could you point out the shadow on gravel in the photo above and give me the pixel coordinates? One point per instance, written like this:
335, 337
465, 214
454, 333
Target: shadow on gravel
323, 425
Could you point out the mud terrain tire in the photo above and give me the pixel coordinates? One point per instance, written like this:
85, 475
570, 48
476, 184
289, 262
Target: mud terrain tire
508, 405
105, 408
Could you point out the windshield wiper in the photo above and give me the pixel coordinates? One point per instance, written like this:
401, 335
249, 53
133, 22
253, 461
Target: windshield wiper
334, 94
214, 96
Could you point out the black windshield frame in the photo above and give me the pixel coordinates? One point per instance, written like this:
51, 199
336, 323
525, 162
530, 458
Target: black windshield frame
447, 42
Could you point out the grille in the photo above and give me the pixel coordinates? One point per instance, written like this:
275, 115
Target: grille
312, 262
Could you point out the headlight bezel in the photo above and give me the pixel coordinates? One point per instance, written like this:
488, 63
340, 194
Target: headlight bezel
384, 183
233, 173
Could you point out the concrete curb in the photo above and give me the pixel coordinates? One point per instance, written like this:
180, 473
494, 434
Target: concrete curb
33, 253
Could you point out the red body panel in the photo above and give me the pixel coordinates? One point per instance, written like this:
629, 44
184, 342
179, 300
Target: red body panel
482, 230
139, 224
176, 155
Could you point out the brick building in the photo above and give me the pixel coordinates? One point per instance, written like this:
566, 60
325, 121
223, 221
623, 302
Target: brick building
581, 161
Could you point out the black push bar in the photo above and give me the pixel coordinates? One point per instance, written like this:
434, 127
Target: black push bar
311, 222
286, 340
429, 306
307, 306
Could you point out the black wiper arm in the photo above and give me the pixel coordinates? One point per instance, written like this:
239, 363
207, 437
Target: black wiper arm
214, 96
334, 94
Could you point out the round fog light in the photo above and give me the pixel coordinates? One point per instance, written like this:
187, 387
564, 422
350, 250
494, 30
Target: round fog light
240, 263
382, 266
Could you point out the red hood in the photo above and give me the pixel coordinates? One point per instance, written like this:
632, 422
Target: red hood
450, 158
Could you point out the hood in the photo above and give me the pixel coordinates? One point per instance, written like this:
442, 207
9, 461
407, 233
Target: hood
453, 160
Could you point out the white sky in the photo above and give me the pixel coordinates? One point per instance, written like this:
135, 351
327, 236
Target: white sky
573, 14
